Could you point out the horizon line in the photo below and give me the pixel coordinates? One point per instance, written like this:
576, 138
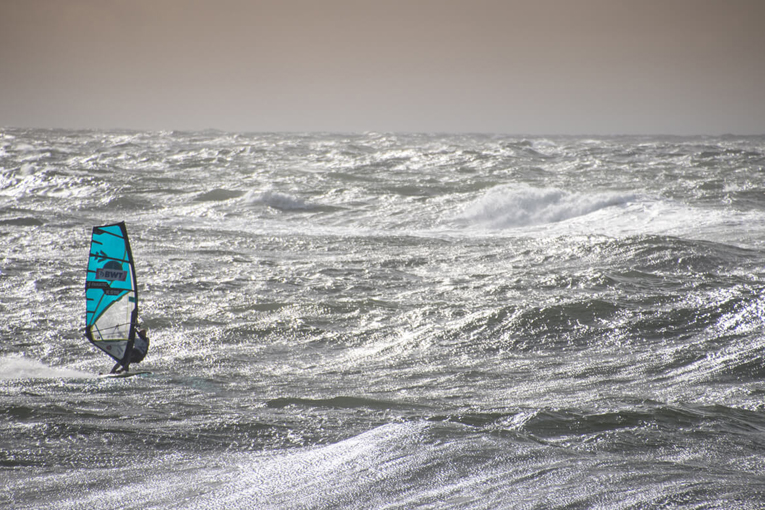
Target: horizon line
385, 132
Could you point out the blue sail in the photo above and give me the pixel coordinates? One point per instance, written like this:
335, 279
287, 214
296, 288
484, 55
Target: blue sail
111, 292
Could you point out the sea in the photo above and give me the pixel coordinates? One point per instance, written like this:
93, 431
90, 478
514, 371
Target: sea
388, 321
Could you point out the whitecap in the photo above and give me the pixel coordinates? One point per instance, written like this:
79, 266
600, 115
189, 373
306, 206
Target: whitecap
509, 207
276, 200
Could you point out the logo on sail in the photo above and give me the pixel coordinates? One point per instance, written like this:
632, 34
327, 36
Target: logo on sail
112, 271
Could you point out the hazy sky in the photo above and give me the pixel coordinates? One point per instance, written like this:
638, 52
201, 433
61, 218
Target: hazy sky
512, 66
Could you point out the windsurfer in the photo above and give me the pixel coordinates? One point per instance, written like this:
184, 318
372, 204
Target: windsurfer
140, 348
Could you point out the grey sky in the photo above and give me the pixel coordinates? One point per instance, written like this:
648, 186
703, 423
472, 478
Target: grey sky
520, 67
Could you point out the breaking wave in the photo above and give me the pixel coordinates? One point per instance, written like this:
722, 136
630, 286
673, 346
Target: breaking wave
276, 200
509, 207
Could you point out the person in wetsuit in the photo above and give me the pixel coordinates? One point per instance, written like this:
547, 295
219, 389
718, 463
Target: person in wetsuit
137, 354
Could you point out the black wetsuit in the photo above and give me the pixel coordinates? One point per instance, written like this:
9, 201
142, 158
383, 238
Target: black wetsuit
137, 353
140, 347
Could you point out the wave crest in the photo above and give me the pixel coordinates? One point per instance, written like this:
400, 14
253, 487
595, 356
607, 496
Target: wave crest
276, 200
508, 207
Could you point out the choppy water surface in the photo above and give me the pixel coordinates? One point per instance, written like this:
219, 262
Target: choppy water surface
388, 321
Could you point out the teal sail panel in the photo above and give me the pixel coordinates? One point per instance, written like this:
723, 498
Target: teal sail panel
111, 292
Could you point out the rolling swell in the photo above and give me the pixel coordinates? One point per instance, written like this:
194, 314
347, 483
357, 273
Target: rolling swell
634, 423
338, 402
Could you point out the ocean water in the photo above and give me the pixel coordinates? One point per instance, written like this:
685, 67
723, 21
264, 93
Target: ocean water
388, 321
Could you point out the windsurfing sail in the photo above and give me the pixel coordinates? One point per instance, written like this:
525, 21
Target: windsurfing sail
111, 293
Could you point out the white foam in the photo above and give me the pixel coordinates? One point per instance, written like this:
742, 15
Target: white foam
16, 367
276, 200
552, 211
519, 206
